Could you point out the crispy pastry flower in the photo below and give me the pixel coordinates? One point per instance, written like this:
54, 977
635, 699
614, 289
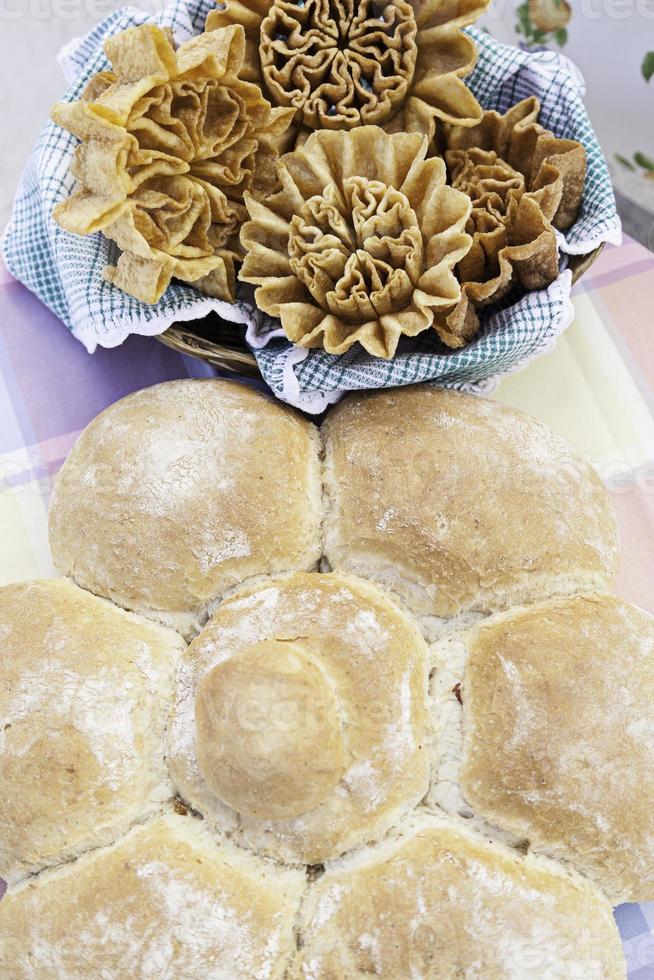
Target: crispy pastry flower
361, 242
345, 63
171, 140
523, 181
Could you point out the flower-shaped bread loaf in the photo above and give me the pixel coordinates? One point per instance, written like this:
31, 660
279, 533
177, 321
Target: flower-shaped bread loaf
346, 63
347, 773
523, 182
170, 142
361, 242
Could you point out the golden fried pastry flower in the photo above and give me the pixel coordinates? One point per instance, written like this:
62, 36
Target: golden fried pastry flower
361, 242
523, 182
171, 140
346, 63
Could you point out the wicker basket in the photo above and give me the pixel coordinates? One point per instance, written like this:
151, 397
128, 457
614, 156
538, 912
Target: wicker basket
220, 344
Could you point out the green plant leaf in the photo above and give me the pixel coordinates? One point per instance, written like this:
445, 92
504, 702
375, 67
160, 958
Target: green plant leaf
648, 66
561, 36
524, 20
644, 161
625, 163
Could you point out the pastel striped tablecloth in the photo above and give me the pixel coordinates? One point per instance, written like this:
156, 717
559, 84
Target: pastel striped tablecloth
596, 388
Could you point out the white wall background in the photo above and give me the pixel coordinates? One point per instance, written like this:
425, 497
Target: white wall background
32, 32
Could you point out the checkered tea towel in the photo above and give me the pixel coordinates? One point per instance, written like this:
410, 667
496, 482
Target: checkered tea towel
64, 270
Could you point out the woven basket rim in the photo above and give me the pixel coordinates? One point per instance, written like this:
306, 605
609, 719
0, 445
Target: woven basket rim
239, 360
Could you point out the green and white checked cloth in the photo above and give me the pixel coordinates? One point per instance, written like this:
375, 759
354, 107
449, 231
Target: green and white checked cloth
64, 270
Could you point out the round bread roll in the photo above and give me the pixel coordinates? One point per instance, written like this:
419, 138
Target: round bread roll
300, 722
166, 901
178, 492
85, 690
558, 735
458, 503
440, 903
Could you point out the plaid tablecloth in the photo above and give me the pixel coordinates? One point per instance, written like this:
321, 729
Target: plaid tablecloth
596, 388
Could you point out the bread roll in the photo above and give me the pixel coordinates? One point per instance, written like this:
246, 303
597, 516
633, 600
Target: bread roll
439, 903
178, 492
85, 690
300, 720
301, 728
166, 901
558, 735
457, 503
